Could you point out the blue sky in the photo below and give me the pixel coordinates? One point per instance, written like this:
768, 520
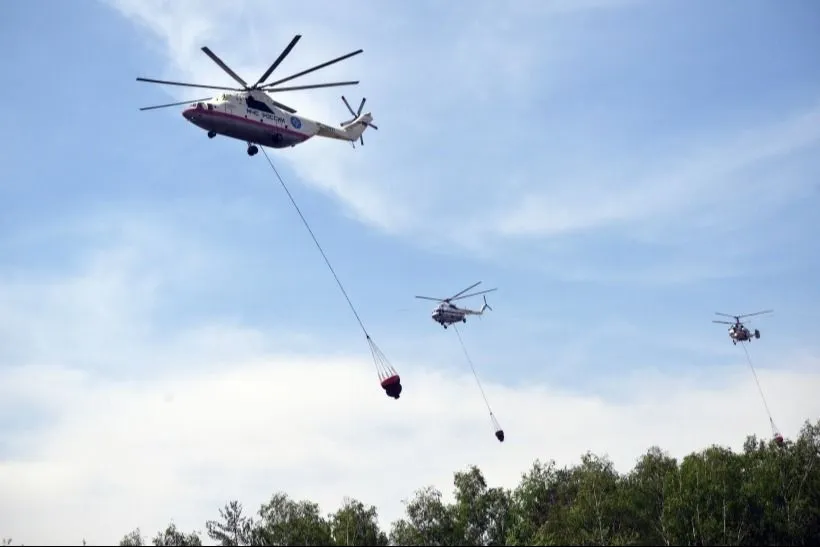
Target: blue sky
619, 170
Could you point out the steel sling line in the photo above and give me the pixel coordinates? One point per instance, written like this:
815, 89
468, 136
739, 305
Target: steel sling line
388, 377
499, 433
775, 433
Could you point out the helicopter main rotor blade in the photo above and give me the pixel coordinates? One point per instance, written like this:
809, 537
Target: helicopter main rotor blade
431, 298
317, 67
464, 291
723, 322
284, 107
184, 84
756, 313
474, 294
726, 315
278, 61
312, 86
224, 67
175, 104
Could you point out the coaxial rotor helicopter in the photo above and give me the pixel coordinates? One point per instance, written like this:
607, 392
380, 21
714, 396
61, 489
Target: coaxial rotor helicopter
448, 313
738, 332
249, 114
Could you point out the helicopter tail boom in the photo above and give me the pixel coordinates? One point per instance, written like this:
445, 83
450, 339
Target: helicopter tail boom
481, 311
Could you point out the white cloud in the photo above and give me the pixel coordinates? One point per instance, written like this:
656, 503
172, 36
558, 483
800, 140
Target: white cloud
413, 170
118, 454
700, 179
229, 415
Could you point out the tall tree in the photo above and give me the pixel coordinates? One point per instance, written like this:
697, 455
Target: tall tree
647, 488
710, 507
233, 528
132, 539
591, 508
171, 536
287, 522
429, 521
355, 524
534, 502
482, 515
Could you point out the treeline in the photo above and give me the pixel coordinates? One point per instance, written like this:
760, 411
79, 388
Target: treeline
767, 494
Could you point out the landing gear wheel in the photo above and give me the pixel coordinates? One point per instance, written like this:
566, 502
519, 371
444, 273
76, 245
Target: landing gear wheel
463, 319
757, 334
443, 325
211, 134
252, 150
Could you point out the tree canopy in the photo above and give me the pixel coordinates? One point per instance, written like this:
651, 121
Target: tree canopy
766, 494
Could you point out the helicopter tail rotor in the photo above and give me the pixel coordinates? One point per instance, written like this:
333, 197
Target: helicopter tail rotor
486, 306
358, 123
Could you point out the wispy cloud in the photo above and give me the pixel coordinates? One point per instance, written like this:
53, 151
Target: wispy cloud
697, 179
398, 182
102, 314
502, 188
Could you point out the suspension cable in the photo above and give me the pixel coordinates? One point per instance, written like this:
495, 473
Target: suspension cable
383, 366
305, 222
480, 387
760, 389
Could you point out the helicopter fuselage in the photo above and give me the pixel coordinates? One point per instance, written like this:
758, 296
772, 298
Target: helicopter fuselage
253, 118
742, 334
272, 129
447, 315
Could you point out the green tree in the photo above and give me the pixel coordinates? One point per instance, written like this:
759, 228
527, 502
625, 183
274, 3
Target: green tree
482, 515
132, 539
591, 508
171, 536
429, 521
782, 489
287, 522
534, 502
233, 528
355, 524
647, 489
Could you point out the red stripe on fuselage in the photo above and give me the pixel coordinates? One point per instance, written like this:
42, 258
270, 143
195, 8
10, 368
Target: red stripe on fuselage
203, 115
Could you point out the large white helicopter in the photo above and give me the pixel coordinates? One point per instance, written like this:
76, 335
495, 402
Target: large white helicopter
252, 116
738, 332
448, 313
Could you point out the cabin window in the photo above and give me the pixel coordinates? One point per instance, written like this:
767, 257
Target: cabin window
258, 105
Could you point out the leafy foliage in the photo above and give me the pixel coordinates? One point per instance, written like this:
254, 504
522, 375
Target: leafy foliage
767, 494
